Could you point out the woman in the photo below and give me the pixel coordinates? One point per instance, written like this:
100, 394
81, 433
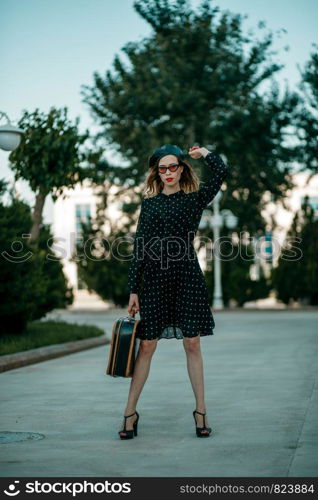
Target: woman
165, 280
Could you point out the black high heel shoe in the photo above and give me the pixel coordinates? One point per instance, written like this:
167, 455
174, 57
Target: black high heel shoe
200, 429
130, 433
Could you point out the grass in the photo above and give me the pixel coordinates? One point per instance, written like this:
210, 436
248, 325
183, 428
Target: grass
44, 333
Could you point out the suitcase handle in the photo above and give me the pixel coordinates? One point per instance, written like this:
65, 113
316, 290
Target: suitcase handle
130, 317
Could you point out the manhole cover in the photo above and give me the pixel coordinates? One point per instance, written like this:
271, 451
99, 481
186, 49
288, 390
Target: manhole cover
15, 437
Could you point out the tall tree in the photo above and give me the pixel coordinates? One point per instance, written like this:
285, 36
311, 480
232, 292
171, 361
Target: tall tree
32, 278
51, 158
198, 78
308, 115
296, 275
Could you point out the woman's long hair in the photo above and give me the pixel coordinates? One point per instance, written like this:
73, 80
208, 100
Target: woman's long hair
189, 180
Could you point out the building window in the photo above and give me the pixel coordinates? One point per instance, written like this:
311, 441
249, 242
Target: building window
82, 214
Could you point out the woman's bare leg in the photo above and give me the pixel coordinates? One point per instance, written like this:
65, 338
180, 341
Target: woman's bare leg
192, 348
140, 375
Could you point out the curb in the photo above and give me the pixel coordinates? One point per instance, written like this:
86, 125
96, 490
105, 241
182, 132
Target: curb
24, 358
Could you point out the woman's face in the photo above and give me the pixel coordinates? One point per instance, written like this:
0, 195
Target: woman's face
170, 178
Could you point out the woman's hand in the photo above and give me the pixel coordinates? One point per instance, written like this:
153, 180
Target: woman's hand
196, 152
133, 306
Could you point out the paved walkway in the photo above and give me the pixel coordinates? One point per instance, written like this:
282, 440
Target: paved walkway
261, 394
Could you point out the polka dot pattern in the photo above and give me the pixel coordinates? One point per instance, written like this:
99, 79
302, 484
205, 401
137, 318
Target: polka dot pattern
164, 271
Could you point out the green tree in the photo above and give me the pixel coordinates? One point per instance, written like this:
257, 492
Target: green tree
58, 294
296, 275
51, 157
31, 284
198, 77
236, 281
307, 116
21, 285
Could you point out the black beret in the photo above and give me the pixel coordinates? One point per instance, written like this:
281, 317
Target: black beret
166, 149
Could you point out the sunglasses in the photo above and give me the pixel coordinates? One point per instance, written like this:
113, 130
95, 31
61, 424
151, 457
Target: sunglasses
172, 168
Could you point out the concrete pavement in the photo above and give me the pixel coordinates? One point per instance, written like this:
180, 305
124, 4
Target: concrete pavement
261, 395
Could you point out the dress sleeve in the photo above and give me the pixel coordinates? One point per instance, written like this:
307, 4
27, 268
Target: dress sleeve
137, 263
210, 188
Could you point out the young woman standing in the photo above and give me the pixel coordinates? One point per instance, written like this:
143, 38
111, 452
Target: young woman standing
165, 280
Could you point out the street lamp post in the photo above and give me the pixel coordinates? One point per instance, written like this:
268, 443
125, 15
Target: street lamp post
10, 136
215, 222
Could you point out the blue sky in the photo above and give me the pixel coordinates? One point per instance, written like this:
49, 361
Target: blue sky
50, 48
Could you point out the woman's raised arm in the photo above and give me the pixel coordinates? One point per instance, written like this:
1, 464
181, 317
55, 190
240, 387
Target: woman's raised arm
218, 172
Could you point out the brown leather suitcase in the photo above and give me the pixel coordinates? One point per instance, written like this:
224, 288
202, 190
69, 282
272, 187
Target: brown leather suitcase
124, 347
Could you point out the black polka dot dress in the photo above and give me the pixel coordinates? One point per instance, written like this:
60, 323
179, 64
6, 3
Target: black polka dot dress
165, 271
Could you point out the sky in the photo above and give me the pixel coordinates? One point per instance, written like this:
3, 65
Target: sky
50, 48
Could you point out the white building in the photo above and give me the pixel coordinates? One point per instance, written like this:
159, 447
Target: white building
78, 205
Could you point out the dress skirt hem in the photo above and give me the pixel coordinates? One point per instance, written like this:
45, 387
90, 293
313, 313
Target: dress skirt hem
175, 332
